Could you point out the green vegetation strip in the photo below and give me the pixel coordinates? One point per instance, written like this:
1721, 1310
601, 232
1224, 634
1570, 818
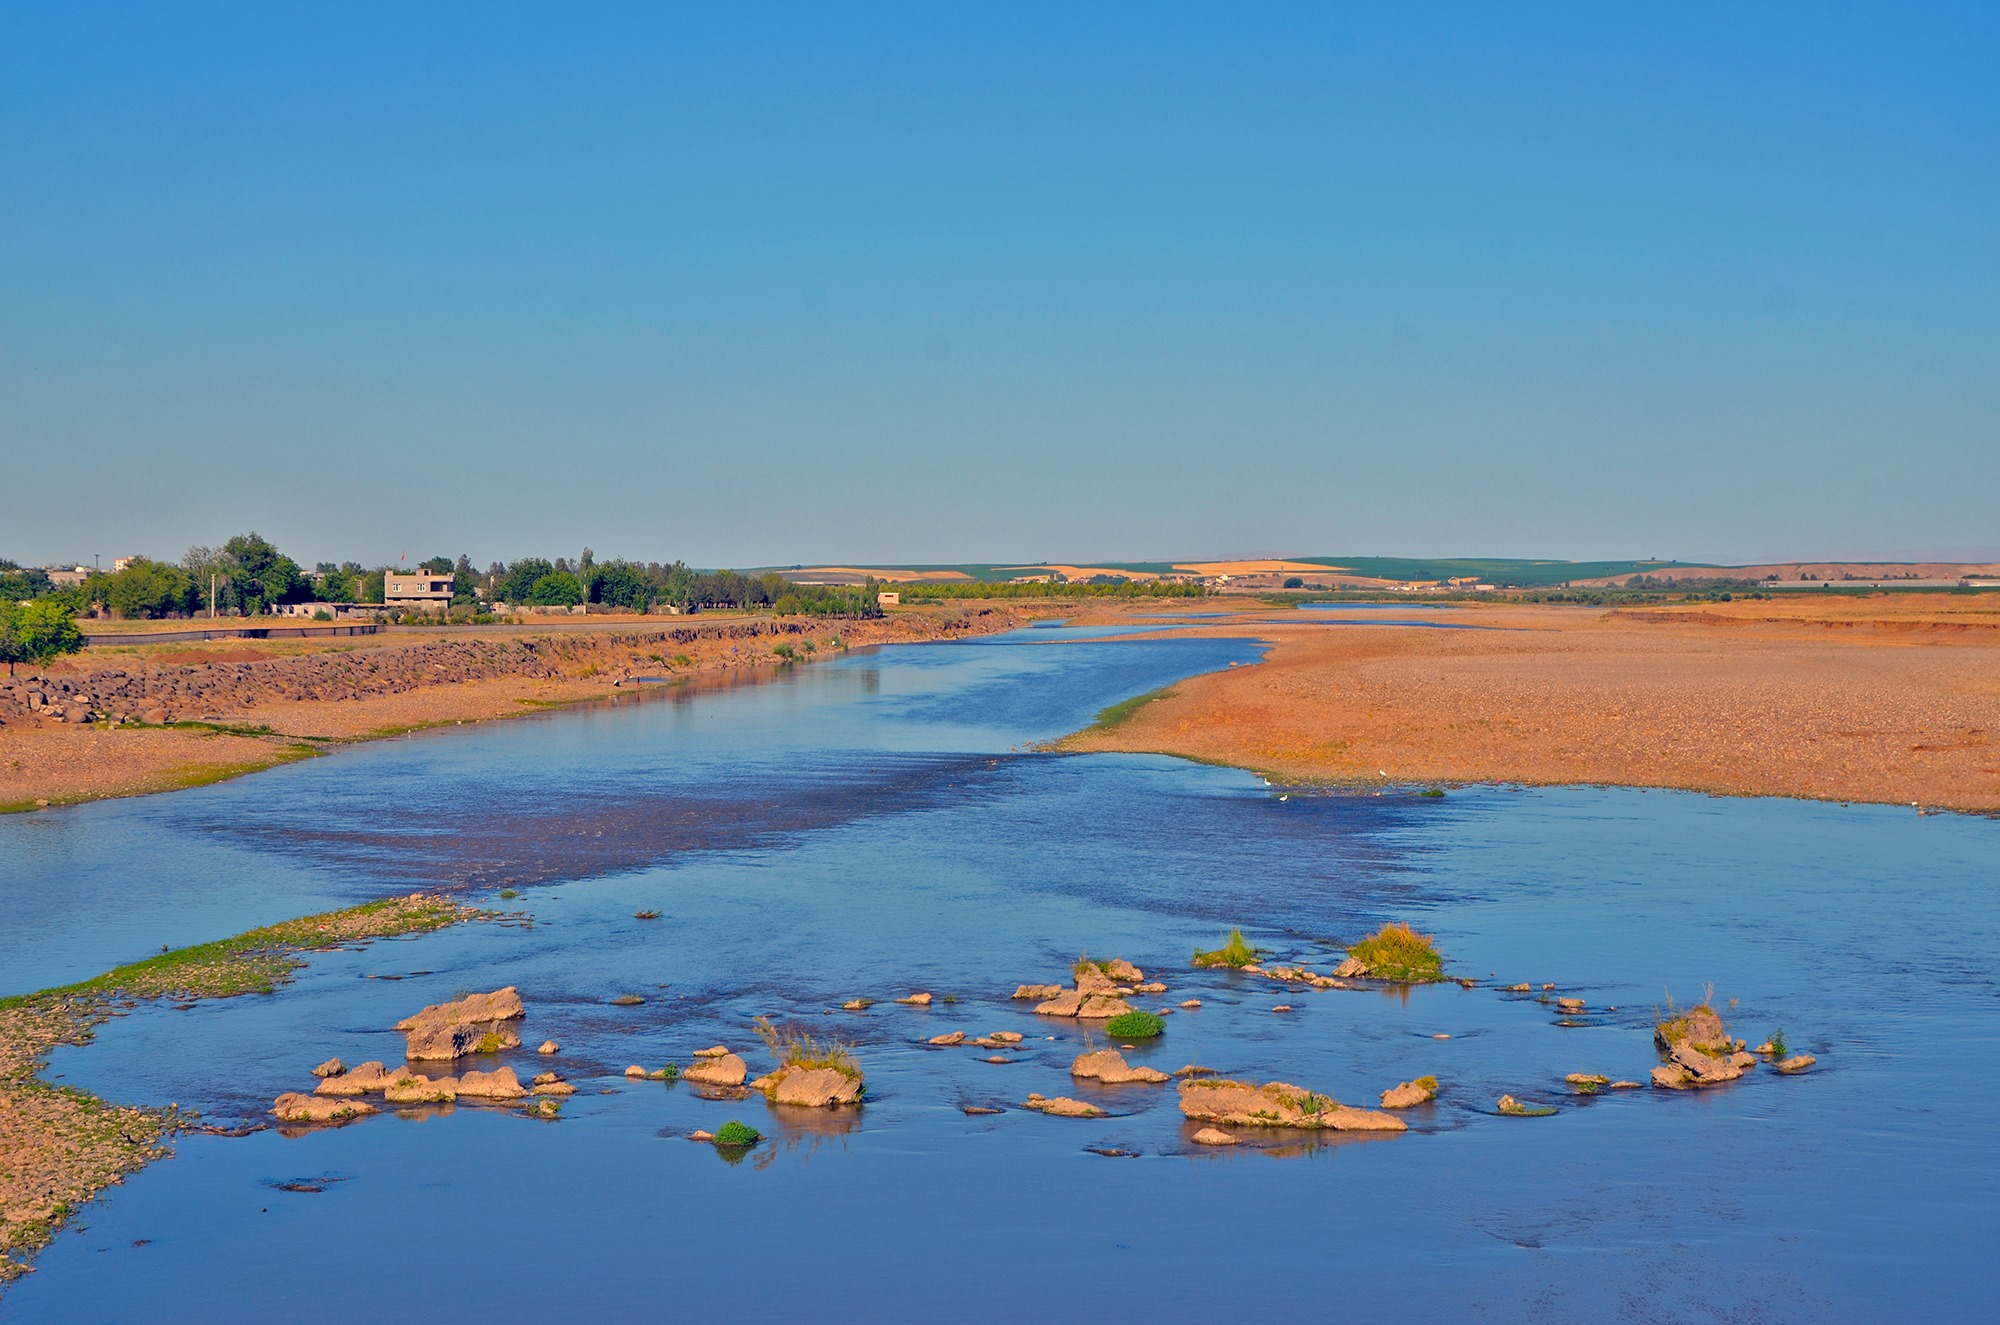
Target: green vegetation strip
62, 1145
1125, 710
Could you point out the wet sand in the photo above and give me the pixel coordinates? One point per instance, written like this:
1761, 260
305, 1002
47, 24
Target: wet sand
1892, 699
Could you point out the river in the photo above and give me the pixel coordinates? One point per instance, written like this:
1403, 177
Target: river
878, 824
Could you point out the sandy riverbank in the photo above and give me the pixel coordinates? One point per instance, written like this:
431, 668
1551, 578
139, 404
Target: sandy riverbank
1888, 699
201, 713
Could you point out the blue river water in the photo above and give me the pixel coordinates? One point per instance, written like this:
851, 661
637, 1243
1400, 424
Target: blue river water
880, 823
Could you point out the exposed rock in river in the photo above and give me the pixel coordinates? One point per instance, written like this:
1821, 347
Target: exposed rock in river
419, 1089
811, 1087
1110, 1067
1410, 1094
1797, 1063
478, 1023
293, 1107
362, 1079
499, 1084
728, 1070
1277, 1104
332, 1067
1062, 1107
1038, 993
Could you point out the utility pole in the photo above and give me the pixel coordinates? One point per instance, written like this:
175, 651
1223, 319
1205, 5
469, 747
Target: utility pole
211, 595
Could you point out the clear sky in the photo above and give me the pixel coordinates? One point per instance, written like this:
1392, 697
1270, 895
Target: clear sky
753, 284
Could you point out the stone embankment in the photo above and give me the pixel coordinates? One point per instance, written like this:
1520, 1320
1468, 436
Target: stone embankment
159, 694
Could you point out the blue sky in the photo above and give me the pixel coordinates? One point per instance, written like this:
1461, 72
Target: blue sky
754, 284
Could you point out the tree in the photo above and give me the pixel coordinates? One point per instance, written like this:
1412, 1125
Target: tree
145, 589
514, 586
619, 584
266, 574
556, 589
37, 633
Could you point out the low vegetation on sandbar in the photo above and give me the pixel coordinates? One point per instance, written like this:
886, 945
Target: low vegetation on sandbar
63, 1145
1399, 954
1235, 952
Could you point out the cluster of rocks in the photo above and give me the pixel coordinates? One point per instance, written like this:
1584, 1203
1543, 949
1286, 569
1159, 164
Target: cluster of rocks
1099, 994
444, 1032
716, 1066
1700, 1052
996, 1042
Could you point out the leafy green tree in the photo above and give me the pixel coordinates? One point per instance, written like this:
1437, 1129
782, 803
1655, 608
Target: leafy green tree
520, 579
145, 589
17, 584
266, 575
436, 566
620, 584
37, 633
556, 589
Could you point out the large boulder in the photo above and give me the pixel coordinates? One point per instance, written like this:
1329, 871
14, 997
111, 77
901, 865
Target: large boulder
811, 1087
1277, 1104
475, 1024
1102, 1007
1699, 1027
499, 1084
1065, 1004
1062, 1107
1796, 1063
728, 1070
332, 1067
1213, 1136
1109, 1066
1353, 968
293, 1107
1038, 992
361, 1079
1410, 1094
1123, 971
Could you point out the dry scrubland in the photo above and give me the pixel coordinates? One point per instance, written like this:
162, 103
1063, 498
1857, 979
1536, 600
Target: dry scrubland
266, 703
1894, 698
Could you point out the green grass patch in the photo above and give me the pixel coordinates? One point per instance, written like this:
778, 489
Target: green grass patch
259, 961
1135, 1026
1399, 954
1116, 716
1235, 952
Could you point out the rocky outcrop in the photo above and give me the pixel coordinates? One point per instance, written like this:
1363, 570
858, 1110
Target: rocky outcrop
1277, 1104
1086, 1007
1109, 1066
1689, 1068
1213, 1136
549, 1047
478, 1023
548, 1083
499, 1084
1353, 968
1039, 993
332, 1067
1796, 1063
1061, 1106
920, 999
708, 1070
1410, 1094
949, 1038
1699, 1027
811, 1087
362, 1079
293, 1107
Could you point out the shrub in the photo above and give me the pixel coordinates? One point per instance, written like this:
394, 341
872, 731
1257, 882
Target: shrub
1779, 1049
786, 652
733, 1135
1235, 952
1134, 1026
1397, 952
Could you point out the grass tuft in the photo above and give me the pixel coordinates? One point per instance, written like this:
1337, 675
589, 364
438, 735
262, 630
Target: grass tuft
1235, 952
733, 1135
1398, 953
793, 1047
1117, 715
